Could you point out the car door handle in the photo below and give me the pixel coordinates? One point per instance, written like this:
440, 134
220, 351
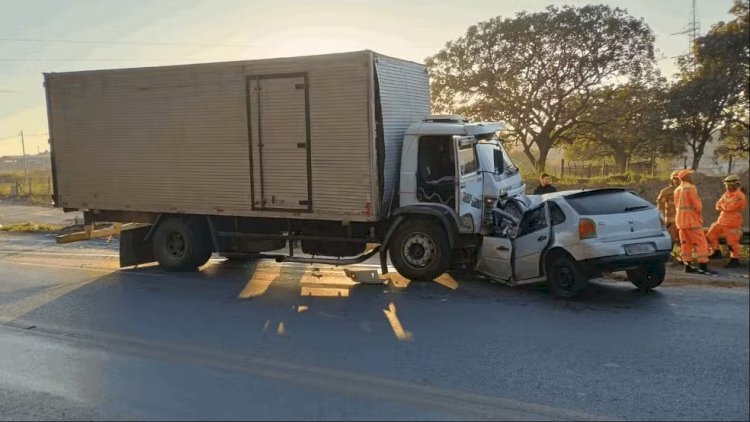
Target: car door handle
502, 248
541, 238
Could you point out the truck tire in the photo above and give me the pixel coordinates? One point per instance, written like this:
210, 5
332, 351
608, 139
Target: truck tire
419, 250
181, 244
565, 278
647, 277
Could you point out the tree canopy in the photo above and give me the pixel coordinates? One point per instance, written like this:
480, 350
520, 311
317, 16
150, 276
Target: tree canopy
711, 92
624, 122
538, 72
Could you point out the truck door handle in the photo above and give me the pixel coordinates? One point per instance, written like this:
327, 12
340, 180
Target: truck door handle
502, 248
541, 238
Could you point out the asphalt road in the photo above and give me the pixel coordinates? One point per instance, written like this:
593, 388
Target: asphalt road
80, 339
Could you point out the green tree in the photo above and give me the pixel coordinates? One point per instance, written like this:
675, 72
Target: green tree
712, 87
734, 141
625, 122
736, 34
538, 71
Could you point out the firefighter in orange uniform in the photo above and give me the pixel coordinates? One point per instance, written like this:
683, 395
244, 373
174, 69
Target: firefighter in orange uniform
665, 204
689, 221
729, 224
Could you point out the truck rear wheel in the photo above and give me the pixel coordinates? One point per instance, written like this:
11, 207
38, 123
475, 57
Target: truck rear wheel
181, 244
419, 250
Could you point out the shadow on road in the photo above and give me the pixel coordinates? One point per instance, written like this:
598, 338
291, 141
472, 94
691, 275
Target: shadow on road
263, 298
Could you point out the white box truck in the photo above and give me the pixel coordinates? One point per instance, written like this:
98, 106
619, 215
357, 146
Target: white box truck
321, 156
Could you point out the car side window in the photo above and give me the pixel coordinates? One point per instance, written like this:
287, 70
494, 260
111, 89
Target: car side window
556, 214
532, 221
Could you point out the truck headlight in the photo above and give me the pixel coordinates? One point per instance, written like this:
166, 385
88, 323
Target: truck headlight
489, 204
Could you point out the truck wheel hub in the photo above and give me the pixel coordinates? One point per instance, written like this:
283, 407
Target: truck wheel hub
419, 250
176, 245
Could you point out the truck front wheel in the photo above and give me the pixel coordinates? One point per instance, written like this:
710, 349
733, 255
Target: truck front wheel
419, 250
181, 244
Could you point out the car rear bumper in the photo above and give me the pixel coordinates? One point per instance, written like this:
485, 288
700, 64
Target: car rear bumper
624, 262
596, 248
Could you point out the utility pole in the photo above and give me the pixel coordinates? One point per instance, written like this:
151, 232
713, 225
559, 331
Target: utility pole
25, 165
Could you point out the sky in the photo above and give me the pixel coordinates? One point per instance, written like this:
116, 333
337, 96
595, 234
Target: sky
39, 36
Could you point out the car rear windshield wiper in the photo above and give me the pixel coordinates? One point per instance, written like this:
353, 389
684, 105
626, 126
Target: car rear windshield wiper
639, 207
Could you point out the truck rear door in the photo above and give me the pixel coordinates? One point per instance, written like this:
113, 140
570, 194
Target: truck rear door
278, 120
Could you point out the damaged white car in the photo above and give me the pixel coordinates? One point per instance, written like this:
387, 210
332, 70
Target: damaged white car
570, 237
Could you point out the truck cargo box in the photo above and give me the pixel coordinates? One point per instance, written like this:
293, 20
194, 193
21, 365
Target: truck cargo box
315, 137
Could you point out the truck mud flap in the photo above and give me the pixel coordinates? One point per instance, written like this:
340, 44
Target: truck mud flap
134, 248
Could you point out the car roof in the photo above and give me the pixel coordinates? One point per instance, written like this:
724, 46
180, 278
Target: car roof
532, 201
577, 193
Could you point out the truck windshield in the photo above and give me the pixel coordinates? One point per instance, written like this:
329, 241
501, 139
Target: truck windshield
509, 166
501, 162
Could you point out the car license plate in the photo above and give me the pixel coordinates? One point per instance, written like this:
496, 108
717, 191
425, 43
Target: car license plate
639, 248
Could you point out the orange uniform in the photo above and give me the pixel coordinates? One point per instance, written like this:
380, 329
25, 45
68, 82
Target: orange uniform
665, 204
729, 224
689, 221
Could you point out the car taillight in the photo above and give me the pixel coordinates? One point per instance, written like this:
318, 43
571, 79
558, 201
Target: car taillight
586, 228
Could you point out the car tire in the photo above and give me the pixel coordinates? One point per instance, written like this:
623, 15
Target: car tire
647, 277
565, 278
181, 244
419, 250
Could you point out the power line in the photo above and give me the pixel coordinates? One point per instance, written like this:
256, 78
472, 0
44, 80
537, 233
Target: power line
18, 135
125, 43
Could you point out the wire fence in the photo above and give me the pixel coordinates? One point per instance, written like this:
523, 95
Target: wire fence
566, 168
16, 185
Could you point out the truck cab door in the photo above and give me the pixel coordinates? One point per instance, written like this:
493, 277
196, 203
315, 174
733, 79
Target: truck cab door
469, 186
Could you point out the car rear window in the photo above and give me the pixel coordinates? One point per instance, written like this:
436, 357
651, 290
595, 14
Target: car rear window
607, 202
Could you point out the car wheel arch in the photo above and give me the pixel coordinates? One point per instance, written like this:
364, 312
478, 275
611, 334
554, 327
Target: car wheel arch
552, 254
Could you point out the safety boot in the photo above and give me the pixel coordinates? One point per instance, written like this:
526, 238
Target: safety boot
690, 269
733, 263
703, 268
675, 261
716, 255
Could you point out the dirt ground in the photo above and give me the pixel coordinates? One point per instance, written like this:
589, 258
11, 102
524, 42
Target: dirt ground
710, 189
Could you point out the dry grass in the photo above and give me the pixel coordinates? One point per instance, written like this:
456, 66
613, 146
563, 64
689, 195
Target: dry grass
40, 184
29, 227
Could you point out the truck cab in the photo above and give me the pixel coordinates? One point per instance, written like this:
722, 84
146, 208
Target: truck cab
448, 161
